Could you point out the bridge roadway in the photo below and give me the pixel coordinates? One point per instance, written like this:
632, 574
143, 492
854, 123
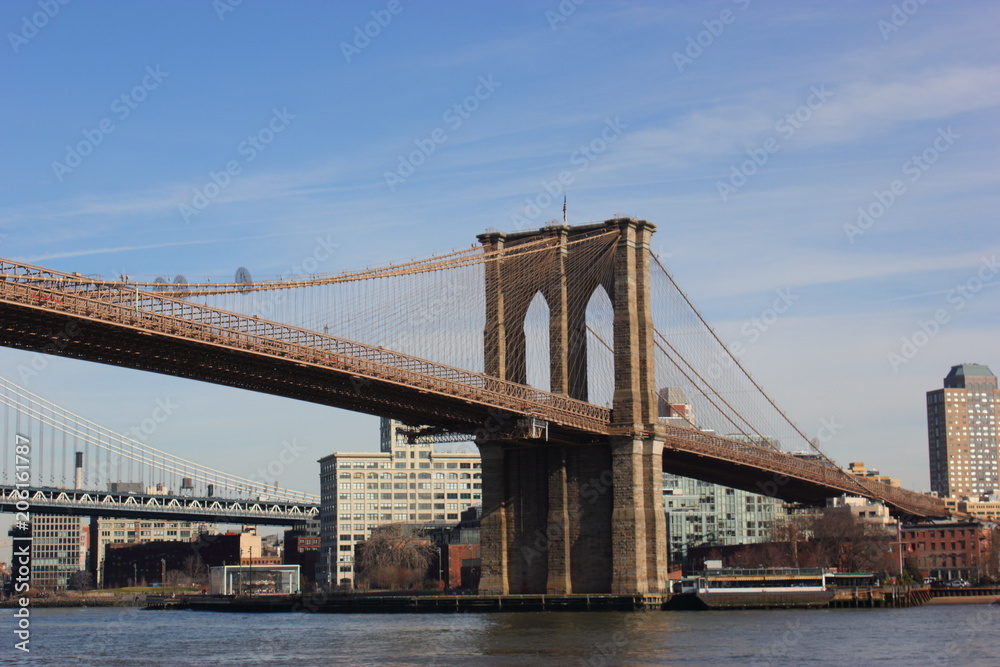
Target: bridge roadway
58, 313
78, 502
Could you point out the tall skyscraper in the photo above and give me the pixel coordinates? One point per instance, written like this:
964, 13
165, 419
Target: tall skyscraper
962, 421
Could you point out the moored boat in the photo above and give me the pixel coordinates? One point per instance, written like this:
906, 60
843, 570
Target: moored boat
735, 588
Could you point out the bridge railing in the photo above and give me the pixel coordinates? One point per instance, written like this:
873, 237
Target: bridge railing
179, 317
780, 463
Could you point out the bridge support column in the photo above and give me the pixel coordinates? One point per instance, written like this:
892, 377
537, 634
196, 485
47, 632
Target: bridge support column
513, 528
638, 523
657, 549
547, 519
557, 525
493, 523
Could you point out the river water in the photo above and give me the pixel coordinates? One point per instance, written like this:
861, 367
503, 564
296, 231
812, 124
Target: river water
930, 635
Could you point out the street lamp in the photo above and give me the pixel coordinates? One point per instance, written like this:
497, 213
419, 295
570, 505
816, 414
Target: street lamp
441, 564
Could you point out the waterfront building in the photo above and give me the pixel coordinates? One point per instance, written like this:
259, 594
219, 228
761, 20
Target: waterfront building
457, 565
704, 513
302, 544
700, 513
55, 550
949, 550
404, 482
962, 422
986, 508
255, 579
858, 468
105, 531
155, 561
864, 509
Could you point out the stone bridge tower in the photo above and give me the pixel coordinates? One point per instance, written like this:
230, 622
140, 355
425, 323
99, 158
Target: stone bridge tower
585, 517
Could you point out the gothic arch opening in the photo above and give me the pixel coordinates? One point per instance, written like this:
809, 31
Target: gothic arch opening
536, 344
600, 360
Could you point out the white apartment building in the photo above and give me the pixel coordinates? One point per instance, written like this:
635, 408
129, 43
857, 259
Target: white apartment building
403, 483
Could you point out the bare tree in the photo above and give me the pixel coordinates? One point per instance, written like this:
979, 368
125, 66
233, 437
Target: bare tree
847, 542
395, 556
81, 581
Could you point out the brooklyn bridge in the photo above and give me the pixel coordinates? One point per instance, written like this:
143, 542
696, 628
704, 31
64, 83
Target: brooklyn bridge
553, 350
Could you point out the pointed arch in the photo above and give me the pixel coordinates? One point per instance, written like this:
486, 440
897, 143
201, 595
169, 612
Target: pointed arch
600, 357
536, 343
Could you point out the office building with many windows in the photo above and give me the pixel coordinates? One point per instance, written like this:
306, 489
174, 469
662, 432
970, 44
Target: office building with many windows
55, 551
962, 422
700, 513
406, 482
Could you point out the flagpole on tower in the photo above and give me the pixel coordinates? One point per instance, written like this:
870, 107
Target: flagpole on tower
564, 207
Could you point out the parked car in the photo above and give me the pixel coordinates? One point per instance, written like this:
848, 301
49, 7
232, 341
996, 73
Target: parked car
957, 583
929, 581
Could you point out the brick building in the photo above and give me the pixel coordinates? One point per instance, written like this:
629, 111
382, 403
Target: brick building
152, 562
949, 550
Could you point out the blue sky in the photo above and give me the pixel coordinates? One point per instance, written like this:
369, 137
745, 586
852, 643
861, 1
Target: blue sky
750, 133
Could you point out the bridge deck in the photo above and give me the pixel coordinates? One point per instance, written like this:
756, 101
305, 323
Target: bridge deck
76, 502
60, 314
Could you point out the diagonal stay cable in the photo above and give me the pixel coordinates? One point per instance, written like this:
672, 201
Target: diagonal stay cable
781, 412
